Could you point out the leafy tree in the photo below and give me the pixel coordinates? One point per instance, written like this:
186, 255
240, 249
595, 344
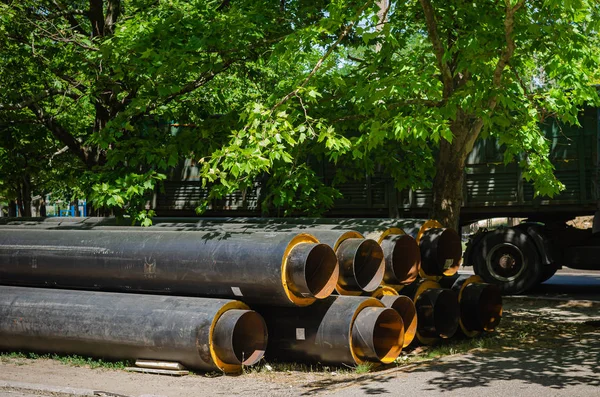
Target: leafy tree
426, 79
105, 77
268, 86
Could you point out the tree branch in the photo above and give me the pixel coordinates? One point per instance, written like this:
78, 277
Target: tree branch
43, 95
323, 58
507, 53
70, 17
438, 48
60, 133
113, 11
96, 16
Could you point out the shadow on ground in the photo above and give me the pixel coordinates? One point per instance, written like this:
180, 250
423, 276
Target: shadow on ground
534, 347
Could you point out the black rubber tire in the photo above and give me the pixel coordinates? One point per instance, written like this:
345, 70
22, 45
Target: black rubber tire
518, 247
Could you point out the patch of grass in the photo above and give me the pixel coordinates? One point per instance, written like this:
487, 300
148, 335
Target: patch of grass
79, 361
71, 360
364, 368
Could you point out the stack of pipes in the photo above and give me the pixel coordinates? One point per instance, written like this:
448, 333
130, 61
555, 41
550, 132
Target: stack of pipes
383, 274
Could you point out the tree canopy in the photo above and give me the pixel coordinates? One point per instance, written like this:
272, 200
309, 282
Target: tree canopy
267, 88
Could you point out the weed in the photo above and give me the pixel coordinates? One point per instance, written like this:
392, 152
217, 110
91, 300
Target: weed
364, 368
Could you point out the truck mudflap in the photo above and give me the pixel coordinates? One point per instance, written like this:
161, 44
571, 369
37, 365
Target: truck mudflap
542, 242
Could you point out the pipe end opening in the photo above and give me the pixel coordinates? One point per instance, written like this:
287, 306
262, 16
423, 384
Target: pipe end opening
240, 337
446, 313
441, 252
407, 310
438, 313
402, 258
378, 334
490, 310
313, 270
367, 267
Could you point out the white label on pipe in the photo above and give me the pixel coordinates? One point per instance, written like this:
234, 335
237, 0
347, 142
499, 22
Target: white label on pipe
448, 264
300, 334
237, 291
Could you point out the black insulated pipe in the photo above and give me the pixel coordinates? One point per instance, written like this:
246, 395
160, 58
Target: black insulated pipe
441, 252
269, 268
335, 330
375, 332
437, 309
200, 333
407, 310
240, 337
402, 259
360, 260
438, 313
361, 265
480, 303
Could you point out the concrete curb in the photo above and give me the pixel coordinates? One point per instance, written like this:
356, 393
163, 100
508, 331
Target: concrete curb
552, 299
58, 391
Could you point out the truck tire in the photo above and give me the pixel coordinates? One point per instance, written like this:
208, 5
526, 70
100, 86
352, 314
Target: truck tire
508, 258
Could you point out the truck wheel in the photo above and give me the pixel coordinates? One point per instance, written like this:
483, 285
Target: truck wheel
508, 258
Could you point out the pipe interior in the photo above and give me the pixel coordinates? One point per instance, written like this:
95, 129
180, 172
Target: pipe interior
368, 265
388, 336
449, 247
490, 307
446, 312
406, 257
249, 338
407, 310
321, 271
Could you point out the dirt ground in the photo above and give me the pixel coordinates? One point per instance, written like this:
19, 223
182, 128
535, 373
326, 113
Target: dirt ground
527, 324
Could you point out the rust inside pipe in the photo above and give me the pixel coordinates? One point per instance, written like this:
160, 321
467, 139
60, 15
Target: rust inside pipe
377, 334
402, 259
240, 337
407, 310
312, 270
361, 265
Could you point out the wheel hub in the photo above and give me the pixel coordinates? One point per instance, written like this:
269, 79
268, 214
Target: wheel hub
505, 262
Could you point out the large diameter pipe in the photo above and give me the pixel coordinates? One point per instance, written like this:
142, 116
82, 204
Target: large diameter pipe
441, 252
360, 260
438, 310
268, 268
440, 247
407, 310
200, 333
402, 259
338, 330
480, 303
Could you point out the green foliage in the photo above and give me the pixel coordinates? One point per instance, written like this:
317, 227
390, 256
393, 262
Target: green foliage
299, 191
259, 89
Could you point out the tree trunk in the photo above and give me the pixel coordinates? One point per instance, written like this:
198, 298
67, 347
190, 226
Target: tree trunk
448, 185
43, 208
12, 208
26, 196
20, 200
